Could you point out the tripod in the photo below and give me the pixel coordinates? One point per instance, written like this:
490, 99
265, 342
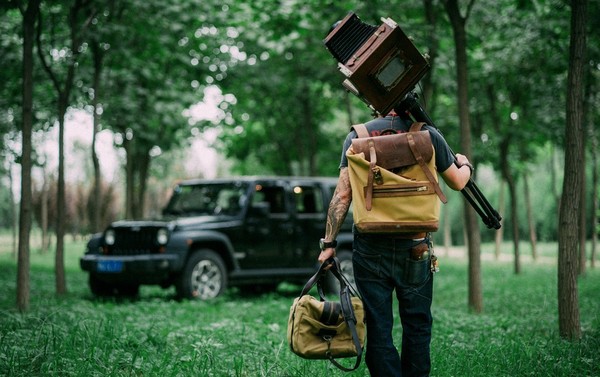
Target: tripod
491, 218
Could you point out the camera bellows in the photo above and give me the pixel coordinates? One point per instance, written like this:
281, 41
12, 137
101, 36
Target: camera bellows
351, 35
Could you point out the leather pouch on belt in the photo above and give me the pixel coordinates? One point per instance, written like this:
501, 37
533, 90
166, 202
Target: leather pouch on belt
418, 252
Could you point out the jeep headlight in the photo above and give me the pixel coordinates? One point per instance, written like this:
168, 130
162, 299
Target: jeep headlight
162, 236
109, 237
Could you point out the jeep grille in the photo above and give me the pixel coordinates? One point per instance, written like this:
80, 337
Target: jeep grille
134, 241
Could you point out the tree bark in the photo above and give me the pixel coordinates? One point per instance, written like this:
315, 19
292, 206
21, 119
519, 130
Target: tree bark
143, 164
530, 221
59, 260
595, 208
512, 190
13, 213
582, 213
29, 17
458, 23
97, 200
500, 232
568, 232
44, 213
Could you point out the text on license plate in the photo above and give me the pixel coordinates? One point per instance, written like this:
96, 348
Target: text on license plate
110, 266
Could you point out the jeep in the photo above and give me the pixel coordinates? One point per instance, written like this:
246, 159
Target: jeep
248, 232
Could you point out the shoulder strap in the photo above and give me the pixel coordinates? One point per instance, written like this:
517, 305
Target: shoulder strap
415, 127
362, 132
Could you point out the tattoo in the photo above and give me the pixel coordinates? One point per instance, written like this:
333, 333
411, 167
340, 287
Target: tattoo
338, 207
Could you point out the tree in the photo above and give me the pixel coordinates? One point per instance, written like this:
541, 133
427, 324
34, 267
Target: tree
30, 14
79, 18
568, 232
151, 79
458, 22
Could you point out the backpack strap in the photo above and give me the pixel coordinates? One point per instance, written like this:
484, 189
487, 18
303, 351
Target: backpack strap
415, 127
362, 132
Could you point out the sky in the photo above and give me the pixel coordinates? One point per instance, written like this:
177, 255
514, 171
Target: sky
201, 157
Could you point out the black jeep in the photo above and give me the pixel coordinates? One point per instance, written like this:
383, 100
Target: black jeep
250, 232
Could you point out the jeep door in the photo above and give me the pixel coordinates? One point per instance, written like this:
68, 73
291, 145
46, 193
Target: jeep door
310, 204
268, 230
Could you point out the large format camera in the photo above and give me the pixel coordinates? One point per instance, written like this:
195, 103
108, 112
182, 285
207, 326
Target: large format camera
380, 63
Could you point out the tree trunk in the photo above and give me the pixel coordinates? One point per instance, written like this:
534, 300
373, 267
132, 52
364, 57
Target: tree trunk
129, 177
497, 122
512, 190
500, 232
595, 183
44, 214
582, 219
64, 92
143, 165
553, 178
29, 18
458, 23
97, 200
13, 212
530, 221
59, 260
568, 233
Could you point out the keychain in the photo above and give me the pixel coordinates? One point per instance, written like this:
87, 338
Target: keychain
434, 260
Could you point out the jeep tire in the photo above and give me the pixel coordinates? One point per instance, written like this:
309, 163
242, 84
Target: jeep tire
203, 277
101, 288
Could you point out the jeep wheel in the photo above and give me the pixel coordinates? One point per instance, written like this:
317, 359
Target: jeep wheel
332, 286
100, 288
128, 290
204, 276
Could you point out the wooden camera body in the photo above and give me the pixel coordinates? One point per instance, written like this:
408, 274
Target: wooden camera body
381, 64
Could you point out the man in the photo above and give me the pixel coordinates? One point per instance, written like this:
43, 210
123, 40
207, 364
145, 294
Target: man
379, 262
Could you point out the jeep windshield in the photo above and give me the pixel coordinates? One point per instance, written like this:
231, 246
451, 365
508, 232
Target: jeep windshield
226, 199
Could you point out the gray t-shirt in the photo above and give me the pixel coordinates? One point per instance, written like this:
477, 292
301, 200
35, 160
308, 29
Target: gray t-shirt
443, 154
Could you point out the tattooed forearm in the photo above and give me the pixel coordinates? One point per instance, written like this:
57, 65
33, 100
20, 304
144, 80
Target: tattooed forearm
338, 208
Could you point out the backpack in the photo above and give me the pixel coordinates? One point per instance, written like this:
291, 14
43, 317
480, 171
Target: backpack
394, 181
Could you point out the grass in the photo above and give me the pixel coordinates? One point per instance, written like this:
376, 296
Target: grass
155, 335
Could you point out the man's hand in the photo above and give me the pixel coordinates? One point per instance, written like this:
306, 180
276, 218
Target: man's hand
461, 160
326, 254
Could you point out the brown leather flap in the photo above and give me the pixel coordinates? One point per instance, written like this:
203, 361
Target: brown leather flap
393, 151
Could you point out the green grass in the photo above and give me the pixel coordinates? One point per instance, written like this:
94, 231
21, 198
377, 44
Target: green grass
155, 335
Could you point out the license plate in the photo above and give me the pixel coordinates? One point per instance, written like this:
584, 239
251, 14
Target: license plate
110, 266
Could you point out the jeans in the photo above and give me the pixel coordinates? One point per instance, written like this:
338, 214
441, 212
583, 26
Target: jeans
382, 264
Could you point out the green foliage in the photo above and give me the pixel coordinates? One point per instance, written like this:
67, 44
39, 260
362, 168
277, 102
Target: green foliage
282, 108
246, 336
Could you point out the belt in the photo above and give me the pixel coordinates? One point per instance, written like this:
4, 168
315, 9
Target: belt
409, 236
399, 236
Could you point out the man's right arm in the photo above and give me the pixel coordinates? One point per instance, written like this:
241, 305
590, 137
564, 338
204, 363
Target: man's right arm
336, 214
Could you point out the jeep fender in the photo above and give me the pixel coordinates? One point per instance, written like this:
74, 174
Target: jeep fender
93, 244
209, 239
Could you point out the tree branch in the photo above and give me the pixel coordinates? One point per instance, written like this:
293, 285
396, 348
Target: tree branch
45, 64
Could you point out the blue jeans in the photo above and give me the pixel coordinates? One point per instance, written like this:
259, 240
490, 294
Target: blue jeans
382, 264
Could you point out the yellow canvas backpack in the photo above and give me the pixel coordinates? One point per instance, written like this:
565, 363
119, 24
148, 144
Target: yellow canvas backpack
394, 182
